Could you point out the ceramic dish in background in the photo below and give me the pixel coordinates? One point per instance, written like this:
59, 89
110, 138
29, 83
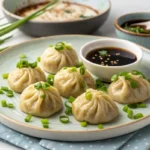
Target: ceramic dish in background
106, 72
37, 28
139, 38
72, 131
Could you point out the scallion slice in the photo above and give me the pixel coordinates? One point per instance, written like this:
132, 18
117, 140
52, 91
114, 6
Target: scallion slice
130, 113
46, 126
114, 78
64, 119
125, 108
88, 95
68, 104
10, 105
83, 124
33, 65
45, 121
43, 96
74, 69
82, 70
10, 93
134, 84
5, 76
45, 85
28, 118
38, 59
71, 99
4, 88
68, 111
50, 79
100, 126
138, 116
38, 86
23, 56
1, 91
3, 103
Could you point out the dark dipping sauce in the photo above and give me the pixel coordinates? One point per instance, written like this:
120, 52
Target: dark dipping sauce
136, 29
111, 56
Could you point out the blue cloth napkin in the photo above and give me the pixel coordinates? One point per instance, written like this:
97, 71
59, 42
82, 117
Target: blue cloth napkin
139, 140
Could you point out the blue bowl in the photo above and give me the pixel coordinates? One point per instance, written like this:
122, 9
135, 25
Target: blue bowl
139, 38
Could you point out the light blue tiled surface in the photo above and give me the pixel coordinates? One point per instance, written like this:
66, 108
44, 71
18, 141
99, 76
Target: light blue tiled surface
139, 140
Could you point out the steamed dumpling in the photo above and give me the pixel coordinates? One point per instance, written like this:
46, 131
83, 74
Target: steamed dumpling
56, 57
70, 82
94, 107
21, 78
123, 92
40, 99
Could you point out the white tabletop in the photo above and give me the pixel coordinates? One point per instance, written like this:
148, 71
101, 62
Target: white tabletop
119, 7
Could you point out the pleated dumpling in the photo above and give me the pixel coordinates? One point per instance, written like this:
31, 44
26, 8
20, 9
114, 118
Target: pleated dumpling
56, 57
40, 99
22, 77
73, 81
94, 107
130, 88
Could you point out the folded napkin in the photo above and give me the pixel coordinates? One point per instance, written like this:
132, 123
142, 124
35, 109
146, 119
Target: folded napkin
139, 140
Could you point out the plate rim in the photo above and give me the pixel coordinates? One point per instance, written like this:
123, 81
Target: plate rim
67, 131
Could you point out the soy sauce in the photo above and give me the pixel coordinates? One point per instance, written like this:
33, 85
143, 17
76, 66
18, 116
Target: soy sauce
111, 56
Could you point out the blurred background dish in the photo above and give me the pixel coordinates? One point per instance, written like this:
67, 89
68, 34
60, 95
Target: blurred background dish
135, 36
40, 27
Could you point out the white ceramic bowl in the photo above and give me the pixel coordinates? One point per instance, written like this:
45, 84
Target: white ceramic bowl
106, 72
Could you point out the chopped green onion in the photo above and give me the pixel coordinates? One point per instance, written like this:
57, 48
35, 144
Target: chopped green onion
23, 56
50, 79
43, 96
45, 126
74, 69
103, 53
9, 105
130, 113
28, 118
127, 77
80, 64
138, 116
38, 59
132, 106
59, 46
45, 86
82, 70
5, 76
22, 64
45, 121
99, 83
125, 108
4, 88
88, 95
124, 73
33, 65
38, 86
136, 72
103, 88
83, 124
1, 91
141, 105
68, 104
71, 99
3, 103
68, 111
10, 93
133, 84
114, 78
100, 126
64, 119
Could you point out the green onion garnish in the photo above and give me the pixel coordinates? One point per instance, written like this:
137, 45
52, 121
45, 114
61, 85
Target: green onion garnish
33, 65
82, 70
38, 59
23, 56
10, 105
100, 126
64, 119
124, 73
99, 83
4, 88
83, 124
141, 105
43, 96
103, 88
127, 77
125, 108
28, 118
132, 106
38, 86
80, 64
68, 104
45, 86
114, 78
46, 126
22, 64
138, 116
59, 46
133, 84
10, 93
1, 91
136, 72
103, 53
45, 121
88, 95
74, 69
3, 103
50, 79
68, 111
71, 99
5, 76
130, 113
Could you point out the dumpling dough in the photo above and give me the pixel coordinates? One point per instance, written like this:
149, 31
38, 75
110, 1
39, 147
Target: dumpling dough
52, 60
72, 83
21, 78
32, 102
122, 92
100, 109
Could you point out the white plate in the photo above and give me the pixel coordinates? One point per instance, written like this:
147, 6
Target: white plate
14, 118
